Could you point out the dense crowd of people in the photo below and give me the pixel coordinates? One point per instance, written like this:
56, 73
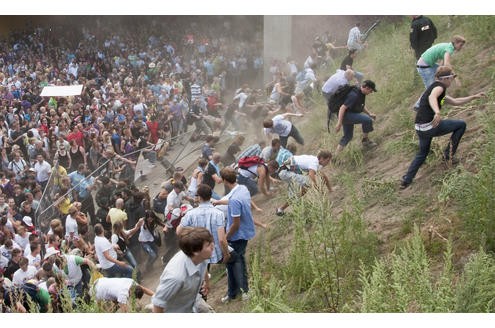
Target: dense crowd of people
71, 216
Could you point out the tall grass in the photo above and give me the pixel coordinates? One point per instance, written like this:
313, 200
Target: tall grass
473, 193
321, 271
403, 282
476, 292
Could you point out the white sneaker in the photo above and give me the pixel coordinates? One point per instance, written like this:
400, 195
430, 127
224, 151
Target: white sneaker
245, 297
226, 299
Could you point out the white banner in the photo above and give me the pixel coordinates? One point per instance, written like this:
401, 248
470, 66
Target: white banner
61, 91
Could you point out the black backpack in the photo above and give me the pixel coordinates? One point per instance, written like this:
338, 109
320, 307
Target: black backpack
337, 99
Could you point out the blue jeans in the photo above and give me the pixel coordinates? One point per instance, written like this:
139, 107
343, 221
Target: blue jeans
75, 291
294, 133
150, 248
350, 119
428, 76
457, 127
250, 184
119, 271
236, 269
130, 258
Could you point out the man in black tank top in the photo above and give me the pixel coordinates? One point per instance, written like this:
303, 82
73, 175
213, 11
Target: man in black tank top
429, 123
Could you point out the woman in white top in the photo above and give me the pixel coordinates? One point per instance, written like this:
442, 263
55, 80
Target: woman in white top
146, 237
120, 238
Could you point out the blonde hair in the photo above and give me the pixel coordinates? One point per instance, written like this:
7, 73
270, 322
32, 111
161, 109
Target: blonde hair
458, 39
443, 71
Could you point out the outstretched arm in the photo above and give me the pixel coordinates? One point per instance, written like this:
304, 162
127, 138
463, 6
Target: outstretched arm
463, 100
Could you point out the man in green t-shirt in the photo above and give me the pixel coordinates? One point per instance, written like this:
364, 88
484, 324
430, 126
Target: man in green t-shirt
439, 54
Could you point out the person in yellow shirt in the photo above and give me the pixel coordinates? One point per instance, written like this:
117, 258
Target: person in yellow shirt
117, 213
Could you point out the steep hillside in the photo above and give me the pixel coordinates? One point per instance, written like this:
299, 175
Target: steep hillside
315, 258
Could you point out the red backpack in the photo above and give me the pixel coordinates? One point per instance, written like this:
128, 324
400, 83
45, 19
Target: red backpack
248, 161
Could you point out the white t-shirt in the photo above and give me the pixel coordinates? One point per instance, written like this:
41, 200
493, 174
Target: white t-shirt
70, 227
43, 171
4, 262
281, 126
113, 289
307, 162
145, 235
101, 245
334, 82
19, 277
22, 241
251, 172
74, 272
34, 260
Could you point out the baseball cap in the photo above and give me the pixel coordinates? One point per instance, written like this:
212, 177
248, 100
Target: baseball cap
28, 221
370, 84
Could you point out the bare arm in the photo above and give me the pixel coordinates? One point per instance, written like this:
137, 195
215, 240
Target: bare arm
217, 178
263, 182
223, 244
327, 181
136, 227
342, 111
157, 309
463, 100
370, 114
106, 254
312, 176
432, 100
285, 115
446, 59
147, 291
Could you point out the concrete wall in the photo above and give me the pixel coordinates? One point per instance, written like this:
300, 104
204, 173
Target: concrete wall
277, 40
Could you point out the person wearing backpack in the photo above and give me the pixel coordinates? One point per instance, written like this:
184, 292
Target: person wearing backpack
253, 173
341, 77
354, 111
300, 173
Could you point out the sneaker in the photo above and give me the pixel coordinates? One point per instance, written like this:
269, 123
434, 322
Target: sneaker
404, 185
368, 143
226, 299
245, 297
280, 212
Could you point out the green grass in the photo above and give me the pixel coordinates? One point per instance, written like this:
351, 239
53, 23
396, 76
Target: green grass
453, 212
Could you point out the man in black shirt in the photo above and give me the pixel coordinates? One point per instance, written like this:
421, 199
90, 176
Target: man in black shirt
348, 62
351, 112
13, 265
423, 33
211, 175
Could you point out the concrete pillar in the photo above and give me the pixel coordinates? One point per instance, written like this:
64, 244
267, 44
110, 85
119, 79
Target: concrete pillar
277, 43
